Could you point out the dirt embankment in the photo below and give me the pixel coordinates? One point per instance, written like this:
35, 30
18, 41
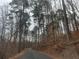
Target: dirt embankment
17, 56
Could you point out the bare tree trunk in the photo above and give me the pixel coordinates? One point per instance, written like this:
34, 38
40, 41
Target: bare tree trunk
20, 34
74, 16
3, 26
11, 31
66, 20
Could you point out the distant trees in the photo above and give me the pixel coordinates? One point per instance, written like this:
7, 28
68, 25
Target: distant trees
23, 17
3, 25
41, 14
66, 19
3, 30
16, 21
74, 15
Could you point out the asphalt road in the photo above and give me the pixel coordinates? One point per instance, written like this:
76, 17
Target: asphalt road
31, 54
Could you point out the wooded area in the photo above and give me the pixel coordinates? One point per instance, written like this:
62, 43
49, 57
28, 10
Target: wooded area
43, 25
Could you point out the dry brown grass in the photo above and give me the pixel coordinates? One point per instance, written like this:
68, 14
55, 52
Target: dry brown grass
60, 47
18, 55
56, 49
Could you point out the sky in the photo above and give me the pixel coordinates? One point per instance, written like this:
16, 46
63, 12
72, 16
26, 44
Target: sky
3, 2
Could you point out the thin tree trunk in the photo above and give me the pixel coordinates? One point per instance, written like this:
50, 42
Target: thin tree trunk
66, 20
74, 16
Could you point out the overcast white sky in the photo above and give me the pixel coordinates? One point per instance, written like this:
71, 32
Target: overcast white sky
2, 2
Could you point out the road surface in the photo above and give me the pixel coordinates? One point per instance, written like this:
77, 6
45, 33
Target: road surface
31, 54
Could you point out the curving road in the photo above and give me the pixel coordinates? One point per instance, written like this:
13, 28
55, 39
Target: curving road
31, 54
